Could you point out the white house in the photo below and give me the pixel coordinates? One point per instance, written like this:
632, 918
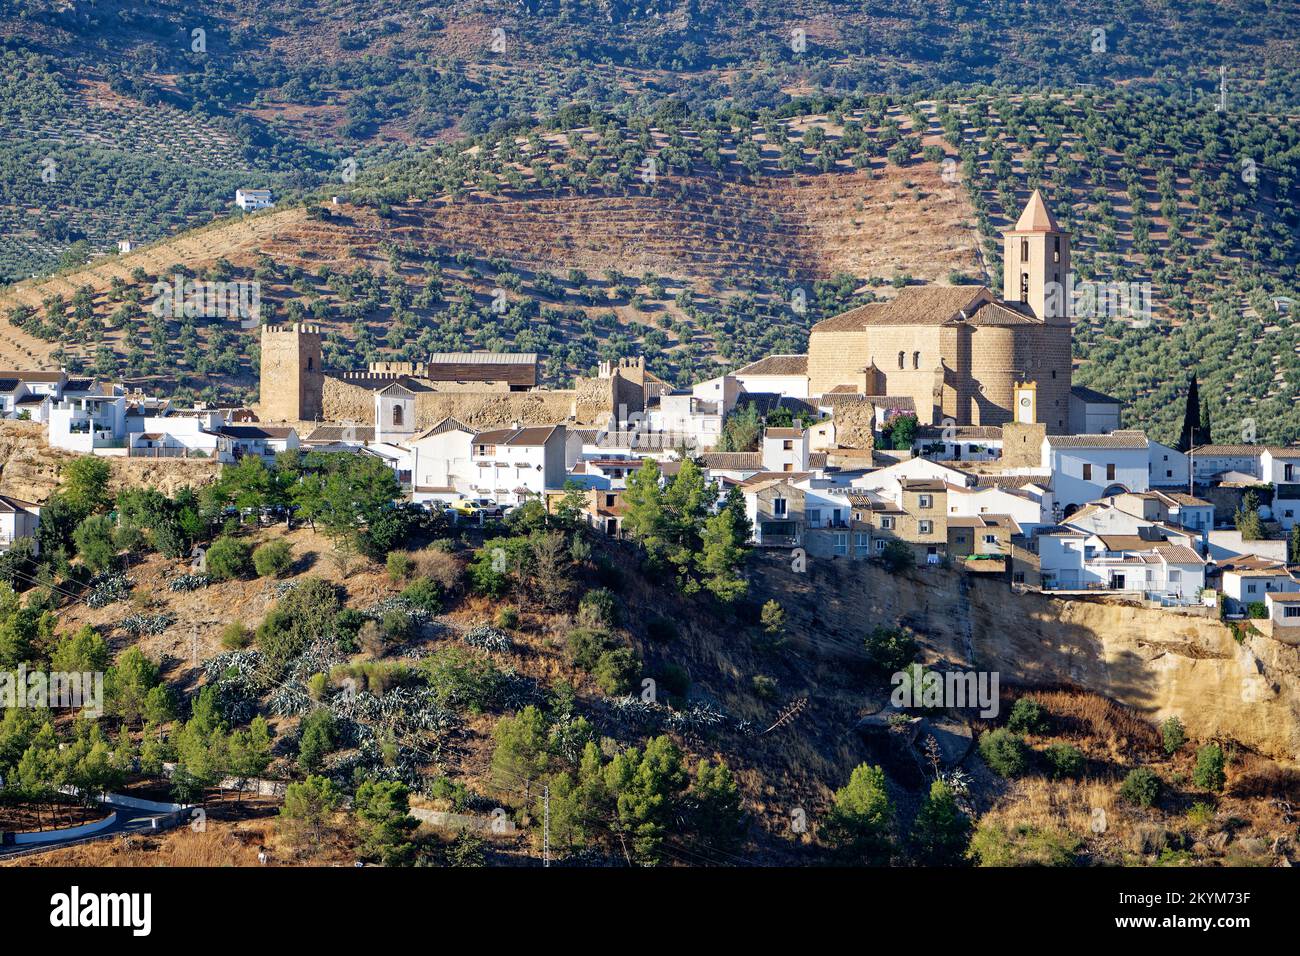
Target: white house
685, 419
1210, 460
1167, 467
250, 199
1250, 579
959, 442
785, 375
1092, 413
1074, 560
1280, 467
1284, 613
1030, 506
785, 449
441, 461
511, 465
181, 436
18, 519
1087, 467
90, 424
264, 440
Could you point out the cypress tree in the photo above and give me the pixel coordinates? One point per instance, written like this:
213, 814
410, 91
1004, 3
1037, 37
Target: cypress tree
1191, 416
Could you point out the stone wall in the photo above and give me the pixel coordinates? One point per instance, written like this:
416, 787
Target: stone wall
853, 425
345, 402
1022, 445
835, 358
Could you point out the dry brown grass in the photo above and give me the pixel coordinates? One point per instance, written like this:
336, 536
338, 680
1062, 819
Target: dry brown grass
1080, 714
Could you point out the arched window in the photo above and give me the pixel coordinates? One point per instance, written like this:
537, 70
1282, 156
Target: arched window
310, 361
1024, 250
902, 359
397, 416
916, 360
1024, 287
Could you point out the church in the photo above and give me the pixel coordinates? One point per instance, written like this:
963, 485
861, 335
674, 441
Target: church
959, 352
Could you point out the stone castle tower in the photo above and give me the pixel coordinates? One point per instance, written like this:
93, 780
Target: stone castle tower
1036, 254
293, 380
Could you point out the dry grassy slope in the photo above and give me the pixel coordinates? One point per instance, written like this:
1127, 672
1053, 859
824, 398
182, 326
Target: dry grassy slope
906, 221
29, 468
1157, 663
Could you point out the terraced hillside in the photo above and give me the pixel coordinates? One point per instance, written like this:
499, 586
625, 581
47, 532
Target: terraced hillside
590, 237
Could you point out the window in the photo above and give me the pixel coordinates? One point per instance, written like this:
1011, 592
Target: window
1024, 250
961, 539
916, 360
1056, 250
609, 500
887, 524
788, 467
814, 516
1087, 472
902, 357
779, 507
1110, 472
926, 501
397, 416
787, 445
880, 544
310, 363
841, 543
927, 527
1291, 611
1175, 576
1024, 287
1251, 588
990, 539
1017, 577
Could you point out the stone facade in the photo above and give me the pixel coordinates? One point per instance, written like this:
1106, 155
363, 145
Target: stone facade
293, 375
957, 351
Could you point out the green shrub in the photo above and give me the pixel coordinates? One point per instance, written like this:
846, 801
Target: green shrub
1027, 717
616, 670
597, 609
1173, 734
1140, 787
660, 629
462, 679
890, 649
996, 844
1257, 610
271, 559
897, 557
507, 617
236, 637
585, 646
1209, 773
424, 594
764, 686
1065, 760
675, 679
228, 558
398, 626
1004, 752
400, 565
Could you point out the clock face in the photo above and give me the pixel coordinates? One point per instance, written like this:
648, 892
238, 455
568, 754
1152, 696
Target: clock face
1025, 401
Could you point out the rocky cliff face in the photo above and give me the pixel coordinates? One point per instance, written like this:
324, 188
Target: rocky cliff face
1155, 662
29, 468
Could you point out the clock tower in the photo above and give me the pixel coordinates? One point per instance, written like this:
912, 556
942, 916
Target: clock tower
1026, 399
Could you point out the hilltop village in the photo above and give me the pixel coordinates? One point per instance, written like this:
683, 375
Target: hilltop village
940, 427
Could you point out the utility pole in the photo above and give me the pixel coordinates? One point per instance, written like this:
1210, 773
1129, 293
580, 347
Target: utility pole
546, 825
